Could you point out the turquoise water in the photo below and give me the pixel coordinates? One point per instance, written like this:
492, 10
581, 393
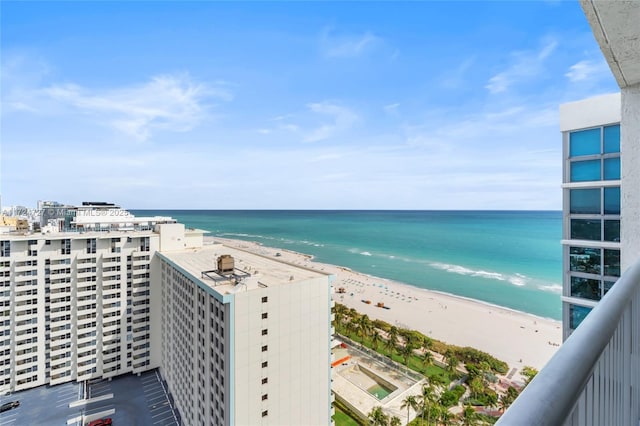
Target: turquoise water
379, 392
511, 259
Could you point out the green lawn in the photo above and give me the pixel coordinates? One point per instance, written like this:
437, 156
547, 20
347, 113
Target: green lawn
343, 419
415, 362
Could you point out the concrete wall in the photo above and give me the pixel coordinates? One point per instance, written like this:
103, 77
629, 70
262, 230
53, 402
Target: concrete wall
596, 111
630, 169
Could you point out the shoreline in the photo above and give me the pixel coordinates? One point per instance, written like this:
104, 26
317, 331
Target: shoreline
516, 337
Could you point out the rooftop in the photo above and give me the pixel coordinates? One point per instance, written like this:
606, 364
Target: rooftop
262, 271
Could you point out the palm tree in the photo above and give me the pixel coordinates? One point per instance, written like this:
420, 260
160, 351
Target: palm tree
395, 421
364, 326
507, 399
410, 402
468, 416
340, 311
444, 415
377, 417
406, 351
427, 359
476, 386
452, 361
427, 397
491, 400
351, 326
392, 340
426, 343
529, 373
376, 338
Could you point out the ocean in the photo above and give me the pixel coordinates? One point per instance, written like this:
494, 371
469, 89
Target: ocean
507, 258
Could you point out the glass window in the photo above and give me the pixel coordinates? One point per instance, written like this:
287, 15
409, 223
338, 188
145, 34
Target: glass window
607, 286
584, 171
585, 288
584, 259
612, 262
577, 314
585, 201
612, 139
612, 168
584, 142
586, 229
611, 200
611, 230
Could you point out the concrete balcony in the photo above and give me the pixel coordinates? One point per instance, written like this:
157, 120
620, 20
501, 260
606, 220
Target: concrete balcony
594, 378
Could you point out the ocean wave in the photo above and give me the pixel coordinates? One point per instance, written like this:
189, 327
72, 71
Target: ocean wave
553, 288
515, 279
366, 253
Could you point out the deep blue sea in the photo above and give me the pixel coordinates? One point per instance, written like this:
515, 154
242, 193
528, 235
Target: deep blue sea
508, 258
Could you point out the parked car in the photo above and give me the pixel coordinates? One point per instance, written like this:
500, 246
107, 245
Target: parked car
101, 422
9, 405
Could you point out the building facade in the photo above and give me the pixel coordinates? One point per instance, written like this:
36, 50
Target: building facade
102, 293
591, 204
253, 349
74, 306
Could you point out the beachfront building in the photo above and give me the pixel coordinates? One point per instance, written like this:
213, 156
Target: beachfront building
594, 378
100, 293
76, 303
245, 339
591, 204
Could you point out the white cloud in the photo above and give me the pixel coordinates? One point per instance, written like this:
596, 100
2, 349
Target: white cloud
169, 102
347, 46
341, 119
525, 65
587, 69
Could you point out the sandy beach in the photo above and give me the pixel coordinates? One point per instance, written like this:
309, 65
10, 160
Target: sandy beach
519, 339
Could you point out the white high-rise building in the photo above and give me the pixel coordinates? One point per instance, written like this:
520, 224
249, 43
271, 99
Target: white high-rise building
75, 305
101, 293
249, 346
591, 204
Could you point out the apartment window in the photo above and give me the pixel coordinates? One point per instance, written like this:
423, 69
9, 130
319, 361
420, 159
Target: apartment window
594, 154
47, 242
586, 288
265, 397
264, 315
264, 299
144, 244
264, 348
5, 248
91, 246
65, 246
577, 314
265, 413
265, 381
265, 364
265, 332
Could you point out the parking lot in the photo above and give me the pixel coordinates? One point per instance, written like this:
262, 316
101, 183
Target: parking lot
136, 400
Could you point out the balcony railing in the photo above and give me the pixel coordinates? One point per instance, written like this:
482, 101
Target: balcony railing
594, 378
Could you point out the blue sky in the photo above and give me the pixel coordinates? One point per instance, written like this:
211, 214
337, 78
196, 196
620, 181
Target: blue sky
291, 105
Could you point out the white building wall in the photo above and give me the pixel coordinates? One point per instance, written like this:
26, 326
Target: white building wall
195, 348
292, 387
213, 357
